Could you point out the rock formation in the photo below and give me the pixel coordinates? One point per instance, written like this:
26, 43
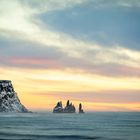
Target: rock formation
9, 101
70, 108
80, 108
58, 108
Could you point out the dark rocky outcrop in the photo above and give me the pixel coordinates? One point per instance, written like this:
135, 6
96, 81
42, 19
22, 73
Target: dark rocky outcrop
69, 108
80, 108
58, 108
9, 101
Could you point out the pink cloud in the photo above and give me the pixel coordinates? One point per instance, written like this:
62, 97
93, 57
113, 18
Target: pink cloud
110, 96
42, 62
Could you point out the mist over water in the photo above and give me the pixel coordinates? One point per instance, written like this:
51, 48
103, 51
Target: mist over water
49, 126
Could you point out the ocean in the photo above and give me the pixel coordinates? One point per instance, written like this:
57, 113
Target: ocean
88, 126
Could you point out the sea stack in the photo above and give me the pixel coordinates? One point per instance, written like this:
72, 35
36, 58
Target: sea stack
80, 108
9, 101
69, 108
58, 108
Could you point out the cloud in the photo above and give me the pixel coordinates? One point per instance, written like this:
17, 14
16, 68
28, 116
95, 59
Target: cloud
41, 57
114, 3
129, 3
16, 17
19, 21
51, 5
108, 96
36, 55
106, 26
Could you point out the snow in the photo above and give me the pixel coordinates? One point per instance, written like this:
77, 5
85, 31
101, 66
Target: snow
9, 101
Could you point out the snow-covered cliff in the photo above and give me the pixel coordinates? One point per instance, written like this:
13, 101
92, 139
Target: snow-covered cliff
9, 101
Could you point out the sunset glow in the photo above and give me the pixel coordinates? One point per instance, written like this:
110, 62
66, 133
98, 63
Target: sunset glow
48, 60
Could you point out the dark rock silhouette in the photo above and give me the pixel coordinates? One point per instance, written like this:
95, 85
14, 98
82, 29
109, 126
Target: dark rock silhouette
58, 108
80, 108
9, 101
70, 108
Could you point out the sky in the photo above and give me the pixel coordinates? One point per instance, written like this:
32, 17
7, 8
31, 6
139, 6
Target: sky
87, 51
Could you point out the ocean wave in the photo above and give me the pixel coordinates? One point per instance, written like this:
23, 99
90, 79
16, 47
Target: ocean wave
79, 129
5, 136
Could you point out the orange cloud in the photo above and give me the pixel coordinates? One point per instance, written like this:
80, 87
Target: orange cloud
35, 88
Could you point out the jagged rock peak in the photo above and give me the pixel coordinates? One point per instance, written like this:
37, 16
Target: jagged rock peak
69, 108
80, 108
58, 108
9, 101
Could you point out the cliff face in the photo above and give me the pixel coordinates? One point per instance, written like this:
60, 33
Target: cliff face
9, 101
